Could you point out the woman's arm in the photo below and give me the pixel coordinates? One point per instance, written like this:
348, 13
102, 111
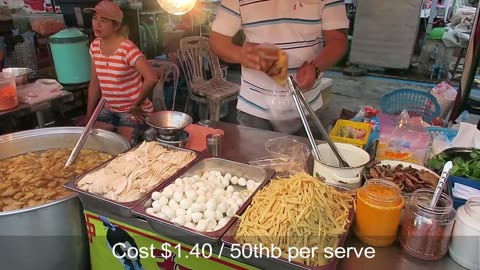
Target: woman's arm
149, 80
94, 92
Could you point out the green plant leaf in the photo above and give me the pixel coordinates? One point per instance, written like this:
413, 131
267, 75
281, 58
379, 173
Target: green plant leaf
455, 169
476, 173
435, 163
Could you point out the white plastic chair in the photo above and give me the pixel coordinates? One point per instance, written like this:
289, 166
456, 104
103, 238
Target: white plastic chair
203, 102
195, 56
164, 69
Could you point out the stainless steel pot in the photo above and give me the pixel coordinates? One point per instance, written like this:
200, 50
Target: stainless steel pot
50, 236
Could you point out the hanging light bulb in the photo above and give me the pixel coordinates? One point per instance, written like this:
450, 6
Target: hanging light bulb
177, 7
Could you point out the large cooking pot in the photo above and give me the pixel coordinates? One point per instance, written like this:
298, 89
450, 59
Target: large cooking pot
53, 235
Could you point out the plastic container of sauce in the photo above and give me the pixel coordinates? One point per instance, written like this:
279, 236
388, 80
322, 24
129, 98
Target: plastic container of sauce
8, 92
425, 231
465, 245
379, 206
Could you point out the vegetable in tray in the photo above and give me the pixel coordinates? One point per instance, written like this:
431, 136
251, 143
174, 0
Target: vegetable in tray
467, 166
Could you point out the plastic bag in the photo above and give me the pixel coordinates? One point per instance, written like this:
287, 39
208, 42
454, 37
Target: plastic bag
287, 156
287, 146
440, 142
366, 112
402, 138
445, 95
281, 104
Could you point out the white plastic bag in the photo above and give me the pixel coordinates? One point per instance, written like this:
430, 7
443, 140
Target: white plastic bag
287, 156
445, 95
281, 104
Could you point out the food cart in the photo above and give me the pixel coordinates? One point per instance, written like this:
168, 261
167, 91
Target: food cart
239, 144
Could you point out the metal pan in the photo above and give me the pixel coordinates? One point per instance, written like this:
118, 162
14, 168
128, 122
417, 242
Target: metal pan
94, 202
190, 236
267, 262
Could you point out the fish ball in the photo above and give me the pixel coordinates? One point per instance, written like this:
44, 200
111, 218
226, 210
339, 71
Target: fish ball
242, 182
156, 195
150, 211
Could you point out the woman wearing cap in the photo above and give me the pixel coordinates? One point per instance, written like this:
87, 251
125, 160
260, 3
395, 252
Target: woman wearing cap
116, 74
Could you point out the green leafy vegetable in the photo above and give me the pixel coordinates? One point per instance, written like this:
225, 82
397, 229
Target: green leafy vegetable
469, 168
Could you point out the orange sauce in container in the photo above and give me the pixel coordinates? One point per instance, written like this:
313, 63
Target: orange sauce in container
379, 206
8, 92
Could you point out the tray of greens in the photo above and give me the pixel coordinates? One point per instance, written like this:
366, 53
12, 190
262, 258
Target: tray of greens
466, 162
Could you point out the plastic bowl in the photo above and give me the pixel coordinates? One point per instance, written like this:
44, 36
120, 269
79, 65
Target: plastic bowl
21, 74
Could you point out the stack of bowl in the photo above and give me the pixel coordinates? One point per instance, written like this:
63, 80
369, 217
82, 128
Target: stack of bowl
169, 127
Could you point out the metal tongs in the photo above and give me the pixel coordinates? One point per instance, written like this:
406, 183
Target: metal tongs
85, 133
300, 100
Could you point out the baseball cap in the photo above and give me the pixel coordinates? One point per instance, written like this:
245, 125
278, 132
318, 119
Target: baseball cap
107, 9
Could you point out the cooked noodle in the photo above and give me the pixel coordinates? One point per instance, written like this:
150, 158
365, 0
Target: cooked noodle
300, 211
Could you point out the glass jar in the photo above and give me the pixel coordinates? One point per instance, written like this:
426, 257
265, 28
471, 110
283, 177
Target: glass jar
8, 92
379, 206
465, 245
425, 231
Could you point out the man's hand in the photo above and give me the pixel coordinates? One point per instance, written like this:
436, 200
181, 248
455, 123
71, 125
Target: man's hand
138, 113
249, 57
306, 76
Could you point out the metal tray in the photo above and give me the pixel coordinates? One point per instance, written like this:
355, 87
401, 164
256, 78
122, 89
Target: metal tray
265, 262
191, 236
96, 202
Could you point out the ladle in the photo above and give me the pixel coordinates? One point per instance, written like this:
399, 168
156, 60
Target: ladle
85, 133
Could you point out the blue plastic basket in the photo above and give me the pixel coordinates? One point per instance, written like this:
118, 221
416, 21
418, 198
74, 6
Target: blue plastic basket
449, 132
417, 103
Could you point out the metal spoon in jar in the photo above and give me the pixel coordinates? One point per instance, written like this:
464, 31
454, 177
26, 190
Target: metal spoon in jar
85, 132
420, 220
441, 183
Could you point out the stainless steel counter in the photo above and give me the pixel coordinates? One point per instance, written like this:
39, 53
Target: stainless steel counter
243, 144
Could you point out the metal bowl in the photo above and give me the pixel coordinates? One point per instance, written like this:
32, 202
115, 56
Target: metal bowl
169, 123
21, 74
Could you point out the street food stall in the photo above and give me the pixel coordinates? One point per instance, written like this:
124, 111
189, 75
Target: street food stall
120, 219
389, 188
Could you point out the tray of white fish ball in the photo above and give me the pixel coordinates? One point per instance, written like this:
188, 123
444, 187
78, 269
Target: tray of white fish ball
201, 204
117, 186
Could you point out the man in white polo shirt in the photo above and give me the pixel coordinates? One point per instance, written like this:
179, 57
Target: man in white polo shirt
312, 33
